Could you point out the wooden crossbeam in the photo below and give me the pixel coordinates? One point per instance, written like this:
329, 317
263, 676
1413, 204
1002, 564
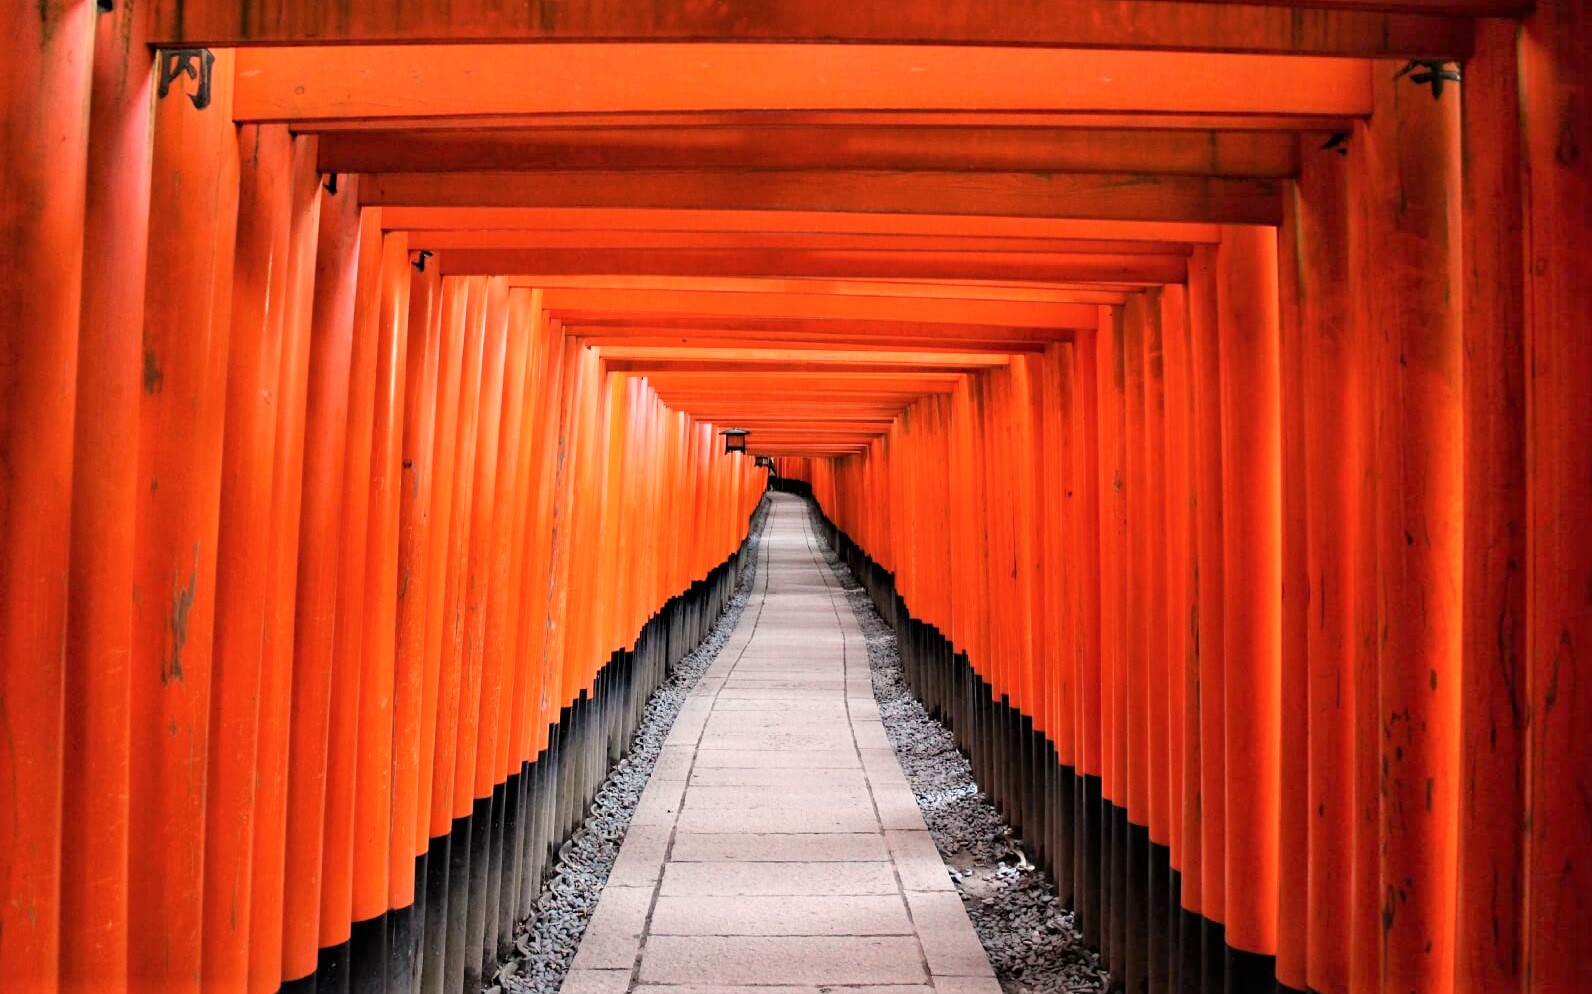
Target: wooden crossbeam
995, 149
1382, 28
376, 81
578, 307
1100, 196
1037, 267
814, 286
696, 219
1141, 120
781, 365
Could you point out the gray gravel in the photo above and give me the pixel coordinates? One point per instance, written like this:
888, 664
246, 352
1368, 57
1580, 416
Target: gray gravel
1032, 940
547, 941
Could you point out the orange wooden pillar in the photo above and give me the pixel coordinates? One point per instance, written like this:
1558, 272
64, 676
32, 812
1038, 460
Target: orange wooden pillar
1181, 648
409, 819
267, 920
319, 562
549, 397
1088, 524
1490, 902
1158, 699
412, 664
1293, 819
583, 428
1556, 60
1365, 891
43, 160
1113, 631
524, 649
1134, 858
1205, 389
248, 456
500, 656
1252, 588
471, 811
439, 706
340, 862
1412, 190
373, 816
94, 850
446, 950
1333, 396
187, 320
571, 388
1056, 612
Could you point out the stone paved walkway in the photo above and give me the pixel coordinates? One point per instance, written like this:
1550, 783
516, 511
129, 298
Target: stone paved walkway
777, 846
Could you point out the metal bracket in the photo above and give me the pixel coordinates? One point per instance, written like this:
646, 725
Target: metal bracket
197, 64
1430, 72
1339, 143
420, 260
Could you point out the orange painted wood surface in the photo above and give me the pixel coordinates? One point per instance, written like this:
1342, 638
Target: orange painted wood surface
1354, 27
319, 563
1214, 388
187, 328
44, 144
1109, 196
373, 81
96, 816
1555, 57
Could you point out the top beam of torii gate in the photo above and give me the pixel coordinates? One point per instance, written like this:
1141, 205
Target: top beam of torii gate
1365, 28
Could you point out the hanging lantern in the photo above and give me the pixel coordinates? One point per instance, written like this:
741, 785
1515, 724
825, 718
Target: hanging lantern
734, 439
765, 462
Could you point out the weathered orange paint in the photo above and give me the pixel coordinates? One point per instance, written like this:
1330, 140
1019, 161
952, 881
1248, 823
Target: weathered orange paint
1413, 229
338, 245
1359, 27
1281, 540
1293, 761
1246, 274
95, 814
414, 667
441, 676
187, 326
244, 553
1554, 62
1334, 381
44, 143
1206, 369
311, 83
268, 923
374, 780
340, 860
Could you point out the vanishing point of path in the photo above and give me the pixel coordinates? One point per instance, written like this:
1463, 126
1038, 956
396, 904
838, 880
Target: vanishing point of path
777, 845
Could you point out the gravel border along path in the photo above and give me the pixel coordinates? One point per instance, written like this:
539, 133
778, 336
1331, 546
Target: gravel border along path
545, 943
1032, 940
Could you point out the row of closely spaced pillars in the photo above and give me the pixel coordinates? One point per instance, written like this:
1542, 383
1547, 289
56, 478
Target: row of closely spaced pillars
308, 551
280, 505
1339, 580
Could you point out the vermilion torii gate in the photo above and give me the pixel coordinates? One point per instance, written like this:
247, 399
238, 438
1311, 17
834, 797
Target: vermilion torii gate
1210, 381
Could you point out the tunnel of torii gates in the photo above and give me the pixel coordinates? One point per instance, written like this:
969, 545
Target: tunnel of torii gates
1202, 390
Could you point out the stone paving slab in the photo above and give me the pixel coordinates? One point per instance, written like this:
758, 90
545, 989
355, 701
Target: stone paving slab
730, 877
765, 776
775, 796
790, 819
816, 914
777, 848
810, 759
799, 959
